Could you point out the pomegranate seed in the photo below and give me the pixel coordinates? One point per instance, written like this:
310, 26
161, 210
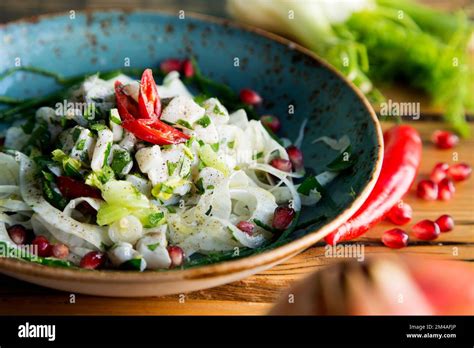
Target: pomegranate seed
426, 230
188, 68
281, 164
444, 139
446, 189
250, 97
445, 223
282, 217
400, 214
439, 172
44, 248
460, 171
93, 260
246, 226
296, 157
395, 238
60, 251
176, 255
18, 234
271, 122
169, 65
427, 190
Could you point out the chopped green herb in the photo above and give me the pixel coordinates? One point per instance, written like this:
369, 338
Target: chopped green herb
215, 147
152, 247
80, 145
200, 99
231, 144
217, 110
132, 265
200, 186
310, 183
153, 219
204, 121
115, 117
121, 158
171, 209
171, 167
257, 156
184, 123
107, 154
98, 127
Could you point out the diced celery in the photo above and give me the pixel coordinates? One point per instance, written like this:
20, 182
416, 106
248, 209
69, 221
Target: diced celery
210, 158
108, 214
123, 193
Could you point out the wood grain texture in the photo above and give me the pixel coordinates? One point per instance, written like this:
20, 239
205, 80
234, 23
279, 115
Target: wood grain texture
256, 294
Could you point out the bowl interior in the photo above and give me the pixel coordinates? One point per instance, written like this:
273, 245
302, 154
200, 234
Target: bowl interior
294, 85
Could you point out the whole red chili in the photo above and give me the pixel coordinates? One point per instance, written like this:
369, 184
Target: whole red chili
402, 157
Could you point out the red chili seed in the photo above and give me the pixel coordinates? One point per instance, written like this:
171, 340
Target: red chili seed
250, 97
439, 172
444, 139
246, 226
446, 189
188, 68
93, 260
281, 164
271, 122
176, 255
44, 248
445, 223
400, 214
60, 251
427, 190
426, 230
395, 238
171, 64
296, 157
282, 217
459, 171
18, 234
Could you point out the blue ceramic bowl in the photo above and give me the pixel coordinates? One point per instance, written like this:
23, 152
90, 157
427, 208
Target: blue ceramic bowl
282, 72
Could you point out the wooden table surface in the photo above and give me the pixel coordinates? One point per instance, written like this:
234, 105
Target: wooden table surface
256, 294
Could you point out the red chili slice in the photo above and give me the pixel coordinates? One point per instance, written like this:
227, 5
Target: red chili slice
155, 132
71, 188
127, 107
148, 129
149, 102
402, 158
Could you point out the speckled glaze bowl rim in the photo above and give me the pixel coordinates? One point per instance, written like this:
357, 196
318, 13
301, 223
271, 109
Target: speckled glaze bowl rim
271, 257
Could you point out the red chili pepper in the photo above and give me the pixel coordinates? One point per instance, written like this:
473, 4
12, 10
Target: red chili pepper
155, 132
145, 128
127, 107
402, 157
149, 102
71, 188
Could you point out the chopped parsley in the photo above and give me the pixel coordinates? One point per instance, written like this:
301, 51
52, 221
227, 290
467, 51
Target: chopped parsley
204, 121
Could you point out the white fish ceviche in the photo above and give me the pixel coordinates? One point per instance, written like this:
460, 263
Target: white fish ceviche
131, 174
